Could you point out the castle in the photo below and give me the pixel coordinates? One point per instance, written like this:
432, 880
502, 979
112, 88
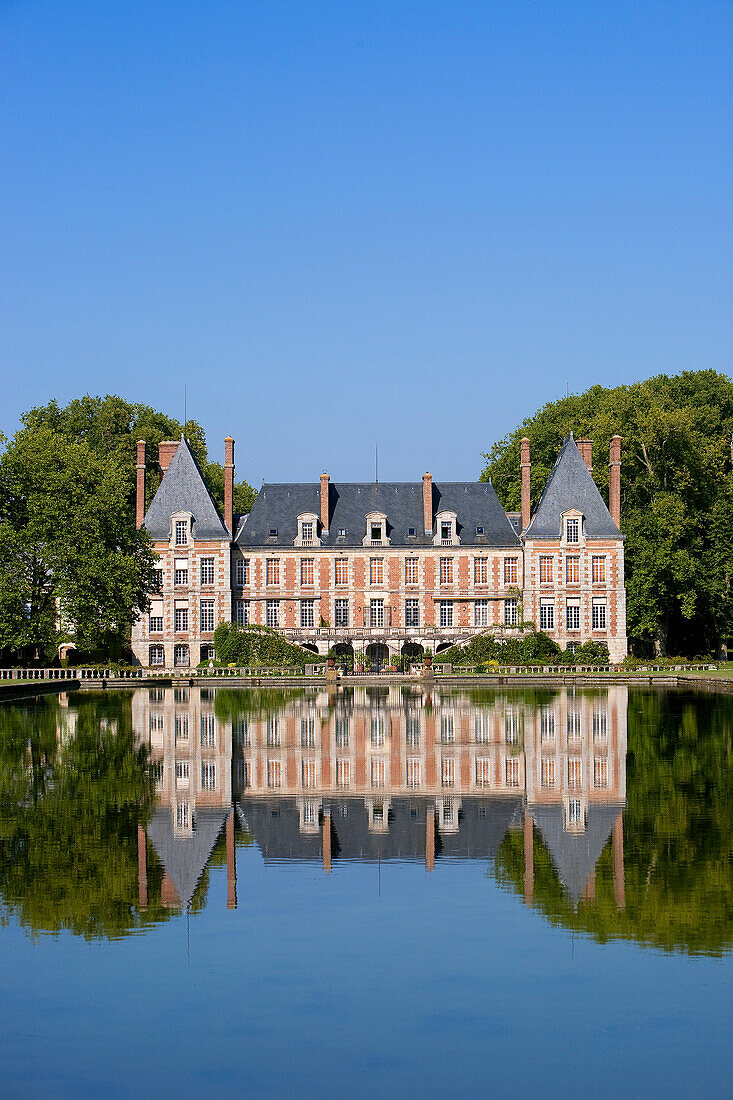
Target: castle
393, 568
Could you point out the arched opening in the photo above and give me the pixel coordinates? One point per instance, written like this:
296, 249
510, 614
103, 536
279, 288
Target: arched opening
378, 655
309, 646
442, 646
156, 656
412, 650
181, 657
344, 654
207, 652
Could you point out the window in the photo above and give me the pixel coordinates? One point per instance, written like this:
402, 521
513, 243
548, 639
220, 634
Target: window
512, 772
411, 532
272, 612
180, 695
511, 616
156, 624
308, 732
575, 812
207, 616
156, 723
156, 695
157, 580
376, 571
547, 616
480, 570
446, 811
481, 613
272, 571
274, 773
306, 532
446, 533
242, 571
180, 571
572, 530
377, 730
273, 732
308, 772
575, 773
572, 616
479, 530
208, 731
306, 613
181, 532
547, 772
598, 615
376, 613
378, 772
447, 771
182, 773
545, 569
572, 569
208, 775
574, 724
207, 571
482, 727
341, 571
273, 532
342, 733
446, 613
306, 571
510, 570
447, 729
240, 731
180, 616
376, 532
547, 725
483, 772
412, 777
600, 725
411, 574
511, 727
242, 773
412, 731
342, 533
182, 815
412, 612
242, 612
343, 773
181, 727
341, 617
598, 569
310, 814
446, 570
600, 771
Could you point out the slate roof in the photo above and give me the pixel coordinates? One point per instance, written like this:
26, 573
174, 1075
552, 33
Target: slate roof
185, 857
575, 855
570, 485
183, 489
277, 506
482, 823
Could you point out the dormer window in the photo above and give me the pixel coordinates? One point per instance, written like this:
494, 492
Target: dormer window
181, 532
273, 533
446, 533
342, 533
376, 535
411, 532
479, 530
376, 530
572, 529
446, 524
307, 530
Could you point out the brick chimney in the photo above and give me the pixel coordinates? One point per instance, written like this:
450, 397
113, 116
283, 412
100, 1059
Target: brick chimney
427, 503
140, 484
325, 479
585, 446
166, 450
229, 483
526, 471
614, 480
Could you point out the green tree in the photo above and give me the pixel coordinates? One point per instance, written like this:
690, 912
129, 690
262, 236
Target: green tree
677, 485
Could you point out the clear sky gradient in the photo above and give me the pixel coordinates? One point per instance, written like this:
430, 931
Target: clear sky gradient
344, 224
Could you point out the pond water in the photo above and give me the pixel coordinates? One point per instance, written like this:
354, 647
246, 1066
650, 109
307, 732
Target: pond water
379, 889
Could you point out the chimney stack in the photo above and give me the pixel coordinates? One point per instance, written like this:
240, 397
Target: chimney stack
140, 484
585, 446
614, 480
526, 471
325, 480
166, 450
427, 503
229, 484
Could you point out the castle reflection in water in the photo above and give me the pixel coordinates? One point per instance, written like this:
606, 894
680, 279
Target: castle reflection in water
384, 773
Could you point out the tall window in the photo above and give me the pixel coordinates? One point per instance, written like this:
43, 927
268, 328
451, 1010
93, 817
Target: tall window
308, 732
180, 571
272, 612
181, 727
376, 613
446, 613
545, 569
412, 779
341, 617
342, 733
306, 613
376, 571
378, 771
481, 613
572, 616
208, 731
272, 571
511, 612
156, 624
181, 532
547, 772
572, 569
412, 612
343, 773
547, 724
512, 772
572, 530
480, 570
376, 730
208, 775
510, 570
341, 571
547, 616
207, 571
274, 773
156, 655
242, 612
446, 570
180, 617
158, 580
411, 574
482, 726
412, 731
306, 571
600, 725
306, 532
309, 774
181, 657
273, 731
242, 571
447, 771
207, 616
598, 615
446, 533
575, 773
447, 729
483, 772
598, 569
574, 724
600, 771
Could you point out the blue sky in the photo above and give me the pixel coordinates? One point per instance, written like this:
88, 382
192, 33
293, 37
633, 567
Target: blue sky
345, 224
